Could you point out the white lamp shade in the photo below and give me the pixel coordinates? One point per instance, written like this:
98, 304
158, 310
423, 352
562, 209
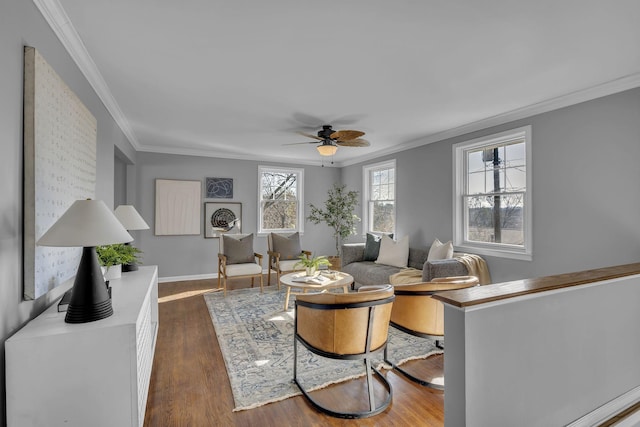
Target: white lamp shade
327, 149
130, 218
85, 223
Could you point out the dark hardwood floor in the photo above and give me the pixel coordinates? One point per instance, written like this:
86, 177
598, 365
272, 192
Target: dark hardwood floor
189, 383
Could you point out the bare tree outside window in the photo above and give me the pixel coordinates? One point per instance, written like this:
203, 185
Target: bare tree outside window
279, 199
381, 210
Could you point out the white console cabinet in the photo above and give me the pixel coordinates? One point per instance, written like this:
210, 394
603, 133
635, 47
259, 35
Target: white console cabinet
88, 374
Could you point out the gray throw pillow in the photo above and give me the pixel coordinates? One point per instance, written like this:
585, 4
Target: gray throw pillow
287, 246
238, 251
372, 247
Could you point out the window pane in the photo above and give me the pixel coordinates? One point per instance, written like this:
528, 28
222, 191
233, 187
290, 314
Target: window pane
516, 179
496, 219
514, 154
382, 218
279, 215
280, 198
278, 185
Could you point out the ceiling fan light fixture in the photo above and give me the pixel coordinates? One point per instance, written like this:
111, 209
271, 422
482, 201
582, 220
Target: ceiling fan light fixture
327, 149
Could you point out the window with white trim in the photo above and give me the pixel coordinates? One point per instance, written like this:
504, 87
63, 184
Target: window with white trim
492, 200
379, 190
280, 200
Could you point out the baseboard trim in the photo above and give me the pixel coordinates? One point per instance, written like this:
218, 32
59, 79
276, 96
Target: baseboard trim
185, 278
192, 277
609, 409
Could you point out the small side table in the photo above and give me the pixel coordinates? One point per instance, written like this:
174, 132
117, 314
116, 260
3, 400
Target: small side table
343, 281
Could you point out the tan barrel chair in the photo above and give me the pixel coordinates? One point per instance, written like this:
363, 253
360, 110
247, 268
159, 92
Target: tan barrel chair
416, 313
238, 260
353, 326
283, 252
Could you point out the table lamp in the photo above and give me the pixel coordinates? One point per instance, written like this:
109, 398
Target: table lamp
87, 223
130, 220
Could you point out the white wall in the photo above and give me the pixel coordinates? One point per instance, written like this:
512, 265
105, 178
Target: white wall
545, 359
585, 188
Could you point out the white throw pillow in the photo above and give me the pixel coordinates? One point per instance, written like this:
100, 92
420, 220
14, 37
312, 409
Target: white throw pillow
440, 250
393, 253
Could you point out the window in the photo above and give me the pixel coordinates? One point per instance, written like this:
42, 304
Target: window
379, 209
492, 200
281, 201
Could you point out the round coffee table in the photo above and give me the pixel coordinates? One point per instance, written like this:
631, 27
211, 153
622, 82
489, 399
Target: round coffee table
343, 280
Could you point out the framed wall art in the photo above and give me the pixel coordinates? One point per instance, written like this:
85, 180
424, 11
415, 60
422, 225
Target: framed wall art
60, 136
177, 207
221, 218
219, 188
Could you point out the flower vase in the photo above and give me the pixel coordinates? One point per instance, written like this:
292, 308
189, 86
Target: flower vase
310, 271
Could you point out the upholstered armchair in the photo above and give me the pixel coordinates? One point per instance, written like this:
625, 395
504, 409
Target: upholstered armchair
415, 312
284, 252
236, 259
345, 326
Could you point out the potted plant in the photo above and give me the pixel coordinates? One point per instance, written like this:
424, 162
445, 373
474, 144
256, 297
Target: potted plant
111, 257
311, 264
338, 213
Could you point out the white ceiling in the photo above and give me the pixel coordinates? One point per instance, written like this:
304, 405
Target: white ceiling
238, 78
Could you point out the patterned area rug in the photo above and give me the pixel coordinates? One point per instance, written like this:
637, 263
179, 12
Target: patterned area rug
256, 339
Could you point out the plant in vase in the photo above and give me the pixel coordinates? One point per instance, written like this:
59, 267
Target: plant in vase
111, 257
311, 264
338, 213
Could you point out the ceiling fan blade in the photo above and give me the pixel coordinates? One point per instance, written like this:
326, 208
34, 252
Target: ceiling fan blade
358, 142
349, 119
346, 135
308, 135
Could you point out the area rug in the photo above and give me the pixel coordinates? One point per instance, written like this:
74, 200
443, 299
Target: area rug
256, 339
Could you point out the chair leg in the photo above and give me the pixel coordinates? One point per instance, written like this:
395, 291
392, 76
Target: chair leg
269, 274
408, 375
373, 410
261, 284
278, 277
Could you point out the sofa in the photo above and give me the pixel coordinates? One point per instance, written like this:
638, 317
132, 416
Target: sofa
367, 273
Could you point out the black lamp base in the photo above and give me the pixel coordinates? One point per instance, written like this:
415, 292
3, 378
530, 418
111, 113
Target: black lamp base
129, 267
90, 300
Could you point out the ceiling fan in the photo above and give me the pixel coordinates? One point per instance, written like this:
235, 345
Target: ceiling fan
332, 139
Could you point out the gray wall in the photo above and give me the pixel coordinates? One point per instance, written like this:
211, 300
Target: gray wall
22, 24
194, 255
586, 201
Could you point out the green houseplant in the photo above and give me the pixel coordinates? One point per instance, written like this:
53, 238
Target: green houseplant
338, 213
117, 254
311, 264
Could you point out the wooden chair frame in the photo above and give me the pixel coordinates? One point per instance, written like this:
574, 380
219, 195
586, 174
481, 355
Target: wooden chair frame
222, 272
274, 263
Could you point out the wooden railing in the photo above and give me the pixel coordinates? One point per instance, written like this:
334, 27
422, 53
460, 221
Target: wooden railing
483, 294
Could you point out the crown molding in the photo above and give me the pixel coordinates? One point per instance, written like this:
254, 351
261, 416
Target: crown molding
608, 88
61, 25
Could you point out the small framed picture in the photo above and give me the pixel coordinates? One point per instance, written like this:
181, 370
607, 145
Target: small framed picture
219, 188
221, 218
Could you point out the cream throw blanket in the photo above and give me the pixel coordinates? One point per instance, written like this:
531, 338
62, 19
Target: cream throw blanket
474, 263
